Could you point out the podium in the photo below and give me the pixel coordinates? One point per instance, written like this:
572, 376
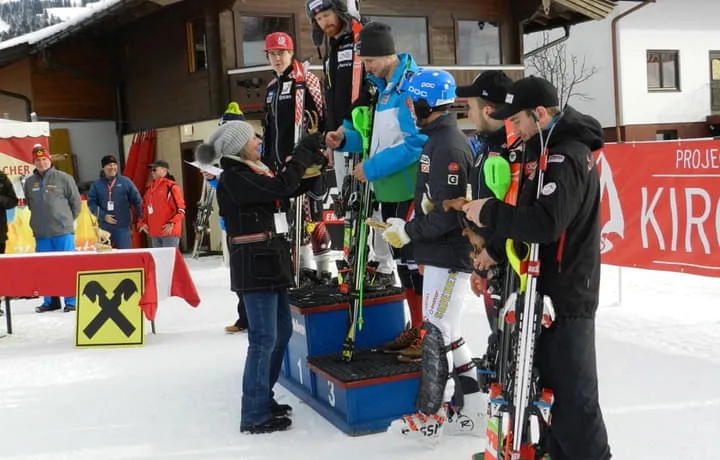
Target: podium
365, 395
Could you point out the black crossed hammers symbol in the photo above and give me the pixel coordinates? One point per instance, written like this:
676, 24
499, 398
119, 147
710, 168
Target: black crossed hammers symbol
109, 308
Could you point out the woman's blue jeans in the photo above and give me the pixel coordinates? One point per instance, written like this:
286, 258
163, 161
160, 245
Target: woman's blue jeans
269, 331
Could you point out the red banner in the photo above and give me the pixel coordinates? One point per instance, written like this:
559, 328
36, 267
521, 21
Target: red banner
16, 155
16, 143
661, 205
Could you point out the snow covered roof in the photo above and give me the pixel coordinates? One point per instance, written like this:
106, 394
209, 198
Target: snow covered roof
81, 19
20, 129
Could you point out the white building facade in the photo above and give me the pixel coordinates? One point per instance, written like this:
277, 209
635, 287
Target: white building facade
668, 63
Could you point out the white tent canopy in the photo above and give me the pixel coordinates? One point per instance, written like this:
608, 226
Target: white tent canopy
20, 129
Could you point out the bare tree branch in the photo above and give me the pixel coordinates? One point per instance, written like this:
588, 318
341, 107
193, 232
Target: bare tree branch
567, 72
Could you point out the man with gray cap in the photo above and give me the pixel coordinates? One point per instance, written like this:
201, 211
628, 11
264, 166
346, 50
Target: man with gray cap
393, 158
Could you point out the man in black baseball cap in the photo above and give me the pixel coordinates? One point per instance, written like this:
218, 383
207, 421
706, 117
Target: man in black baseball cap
110, 199
485, 95
558, 208
533, 95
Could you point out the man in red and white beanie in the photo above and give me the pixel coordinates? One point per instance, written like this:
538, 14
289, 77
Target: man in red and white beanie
54, 202
279, 132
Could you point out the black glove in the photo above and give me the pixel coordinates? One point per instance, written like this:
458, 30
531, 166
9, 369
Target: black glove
311, 148
314, 142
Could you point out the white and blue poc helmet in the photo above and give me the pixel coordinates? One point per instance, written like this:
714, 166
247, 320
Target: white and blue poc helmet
436, 87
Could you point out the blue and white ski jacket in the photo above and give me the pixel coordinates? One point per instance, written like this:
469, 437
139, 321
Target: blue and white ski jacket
396, 140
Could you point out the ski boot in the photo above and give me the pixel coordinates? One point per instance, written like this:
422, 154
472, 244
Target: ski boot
376, 280
425, 428
471, 419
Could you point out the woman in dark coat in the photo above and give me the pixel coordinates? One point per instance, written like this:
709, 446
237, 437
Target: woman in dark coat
249, 195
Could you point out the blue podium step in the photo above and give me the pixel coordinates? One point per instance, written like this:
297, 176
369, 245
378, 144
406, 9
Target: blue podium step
362, 396
365, 395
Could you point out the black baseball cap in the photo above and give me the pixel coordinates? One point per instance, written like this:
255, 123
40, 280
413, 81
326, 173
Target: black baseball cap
108, 159
526, 94
161, 163
491, 85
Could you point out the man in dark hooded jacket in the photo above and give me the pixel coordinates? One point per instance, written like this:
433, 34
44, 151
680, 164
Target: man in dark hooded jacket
564, 218
8, 200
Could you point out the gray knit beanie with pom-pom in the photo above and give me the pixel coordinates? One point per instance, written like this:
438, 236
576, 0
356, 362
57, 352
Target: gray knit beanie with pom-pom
228, 140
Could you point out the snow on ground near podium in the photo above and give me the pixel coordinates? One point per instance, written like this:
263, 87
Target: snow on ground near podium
179, 395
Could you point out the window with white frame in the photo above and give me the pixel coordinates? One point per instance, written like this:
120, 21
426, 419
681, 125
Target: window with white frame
663, 70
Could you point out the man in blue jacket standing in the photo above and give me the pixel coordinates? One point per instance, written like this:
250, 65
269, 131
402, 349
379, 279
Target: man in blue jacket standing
109, 200
394, 155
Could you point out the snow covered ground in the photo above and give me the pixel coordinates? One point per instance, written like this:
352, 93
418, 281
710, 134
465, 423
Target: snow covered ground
178, 397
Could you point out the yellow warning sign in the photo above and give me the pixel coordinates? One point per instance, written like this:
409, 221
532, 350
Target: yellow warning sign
108, 308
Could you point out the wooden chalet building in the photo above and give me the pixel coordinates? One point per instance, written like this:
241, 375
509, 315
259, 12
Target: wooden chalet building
173, 65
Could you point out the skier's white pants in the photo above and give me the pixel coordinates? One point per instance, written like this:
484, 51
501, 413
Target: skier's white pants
381, 249
444, 293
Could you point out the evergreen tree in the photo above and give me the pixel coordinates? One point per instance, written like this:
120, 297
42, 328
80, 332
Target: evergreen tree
25, 16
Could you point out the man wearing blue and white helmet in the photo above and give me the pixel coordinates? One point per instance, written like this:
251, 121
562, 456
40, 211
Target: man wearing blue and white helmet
440, 247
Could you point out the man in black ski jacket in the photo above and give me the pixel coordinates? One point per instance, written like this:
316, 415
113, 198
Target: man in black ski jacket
440, 247
279, 129
565, 221
332, 24
8, 200
484, 95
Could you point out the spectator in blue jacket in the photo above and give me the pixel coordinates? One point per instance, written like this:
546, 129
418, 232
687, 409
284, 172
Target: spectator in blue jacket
110, 198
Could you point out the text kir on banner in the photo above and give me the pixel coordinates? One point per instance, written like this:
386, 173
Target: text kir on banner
661, 205
108, 311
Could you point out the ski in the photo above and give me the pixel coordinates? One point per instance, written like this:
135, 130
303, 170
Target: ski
349, 188
363, 122
202, 219
299, 75
516, 159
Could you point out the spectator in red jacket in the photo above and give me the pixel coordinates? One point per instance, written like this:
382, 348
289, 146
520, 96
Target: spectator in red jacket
163, 208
